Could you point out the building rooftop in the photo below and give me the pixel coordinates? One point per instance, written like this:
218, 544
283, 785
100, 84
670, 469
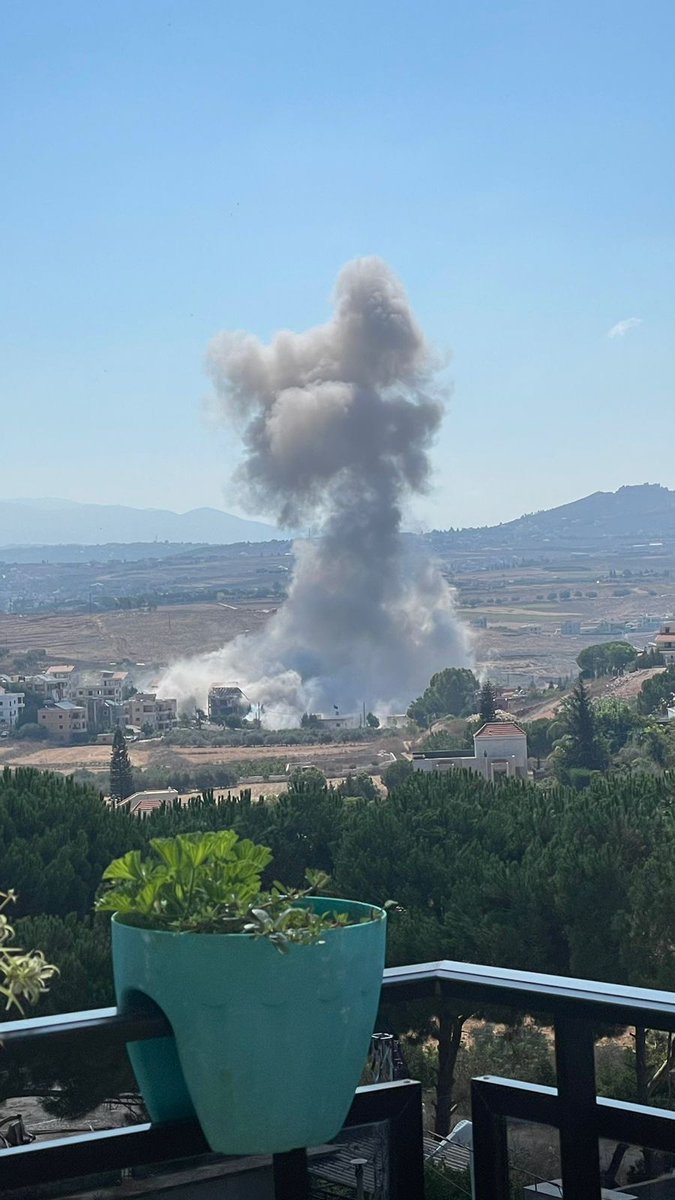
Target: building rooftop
142, 802
61, 668
500, 729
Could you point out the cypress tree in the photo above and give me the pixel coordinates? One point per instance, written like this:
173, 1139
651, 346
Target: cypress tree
121, 774
488, 708
586, 748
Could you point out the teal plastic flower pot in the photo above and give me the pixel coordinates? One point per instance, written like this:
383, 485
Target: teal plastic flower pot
268, 1048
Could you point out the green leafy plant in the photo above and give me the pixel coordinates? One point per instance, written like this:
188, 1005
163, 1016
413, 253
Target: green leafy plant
211, 883
24, 975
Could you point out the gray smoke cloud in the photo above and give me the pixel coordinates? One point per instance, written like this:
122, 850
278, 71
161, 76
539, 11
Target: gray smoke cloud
337, 423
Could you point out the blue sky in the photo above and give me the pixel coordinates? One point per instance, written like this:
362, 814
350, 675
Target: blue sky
174, 169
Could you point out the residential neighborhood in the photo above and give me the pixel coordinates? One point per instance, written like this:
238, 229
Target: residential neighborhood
76, 703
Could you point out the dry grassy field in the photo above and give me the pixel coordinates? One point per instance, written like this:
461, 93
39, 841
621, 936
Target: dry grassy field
523, 609
333, 760
154, 637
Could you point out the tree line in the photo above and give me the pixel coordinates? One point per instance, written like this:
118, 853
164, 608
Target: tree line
507, 874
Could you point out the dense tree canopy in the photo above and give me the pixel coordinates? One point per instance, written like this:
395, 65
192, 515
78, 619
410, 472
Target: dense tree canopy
582, 749
605, 658
506, 874
452, 692
657, 692
56, 838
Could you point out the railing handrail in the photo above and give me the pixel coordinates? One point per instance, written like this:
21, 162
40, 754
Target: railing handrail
559, 995
615, 1004
575, 1006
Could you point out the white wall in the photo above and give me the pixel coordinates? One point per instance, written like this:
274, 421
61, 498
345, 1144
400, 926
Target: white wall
514, 747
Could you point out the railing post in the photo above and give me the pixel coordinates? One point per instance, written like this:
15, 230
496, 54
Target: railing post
577, 1109
490, 1146
291, 1177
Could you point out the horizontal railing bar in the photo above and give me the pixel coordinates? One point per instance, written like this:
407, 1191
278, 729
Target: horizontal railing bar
518, 1100
637, 1124
96, 1153
617, 1120
122, 1027
140, 1145
604, 1003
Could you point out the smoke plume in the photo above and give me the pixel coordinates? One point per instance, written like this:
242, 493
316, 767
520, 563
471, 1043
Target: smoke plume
337, 423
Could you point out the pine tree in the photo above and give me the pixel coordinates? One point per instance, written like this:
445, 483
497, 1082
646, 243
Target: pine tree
586, 746
121, 774
488, 709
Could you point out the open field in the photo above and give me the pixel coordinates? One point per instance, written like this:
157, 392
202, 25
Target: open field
334, 760
195, 602
154, 637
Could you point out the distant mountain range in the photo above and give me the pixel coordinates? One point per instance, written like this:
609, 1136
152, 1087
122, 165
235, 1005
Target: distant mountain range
643, 513
639, 514
51, 522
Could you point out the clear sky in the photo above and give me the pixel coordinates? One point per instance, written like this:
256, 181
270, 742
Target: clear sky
174, 169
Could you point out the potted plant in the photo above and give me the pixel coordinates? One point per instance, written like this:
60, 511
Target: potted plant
271, 995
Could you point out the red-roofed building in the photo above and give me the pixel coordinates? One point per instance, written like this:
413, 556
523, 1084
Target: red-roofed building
499, 748
664, 642
140, 803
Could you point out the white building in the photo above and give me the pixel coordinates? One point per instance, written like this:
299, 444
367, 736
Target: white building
337, 722
499, 748
140, 803
11, 704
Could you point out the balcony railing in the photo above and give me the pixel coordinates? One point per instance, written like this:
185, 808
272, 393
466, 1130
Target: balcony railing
575, 1007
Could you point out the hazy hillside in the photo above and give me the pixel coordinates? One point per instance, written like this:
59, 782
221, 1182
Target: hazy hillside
643, 513
643, 510
51, 522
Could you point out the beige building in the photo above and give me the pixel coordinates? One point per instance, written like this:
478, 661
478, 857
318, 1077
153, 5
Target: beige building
99, 685
146, 709
63, 673
664, 642
499, 748
63, 719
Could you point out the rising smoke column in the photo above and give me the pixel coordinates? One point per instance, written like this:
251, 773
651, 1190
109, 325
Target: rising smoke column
337, 423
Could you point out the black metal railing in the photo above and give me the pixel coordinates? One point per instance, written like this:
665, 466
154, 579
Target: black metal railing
575, 1007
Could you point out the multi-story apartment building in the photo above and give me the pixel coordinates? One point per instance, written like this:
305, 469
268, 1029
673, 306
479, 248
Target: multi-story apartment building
113, 684
99, 685
11, 704
63, 719
226, 700
145, 708
103, 715
46, 686
63, 676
